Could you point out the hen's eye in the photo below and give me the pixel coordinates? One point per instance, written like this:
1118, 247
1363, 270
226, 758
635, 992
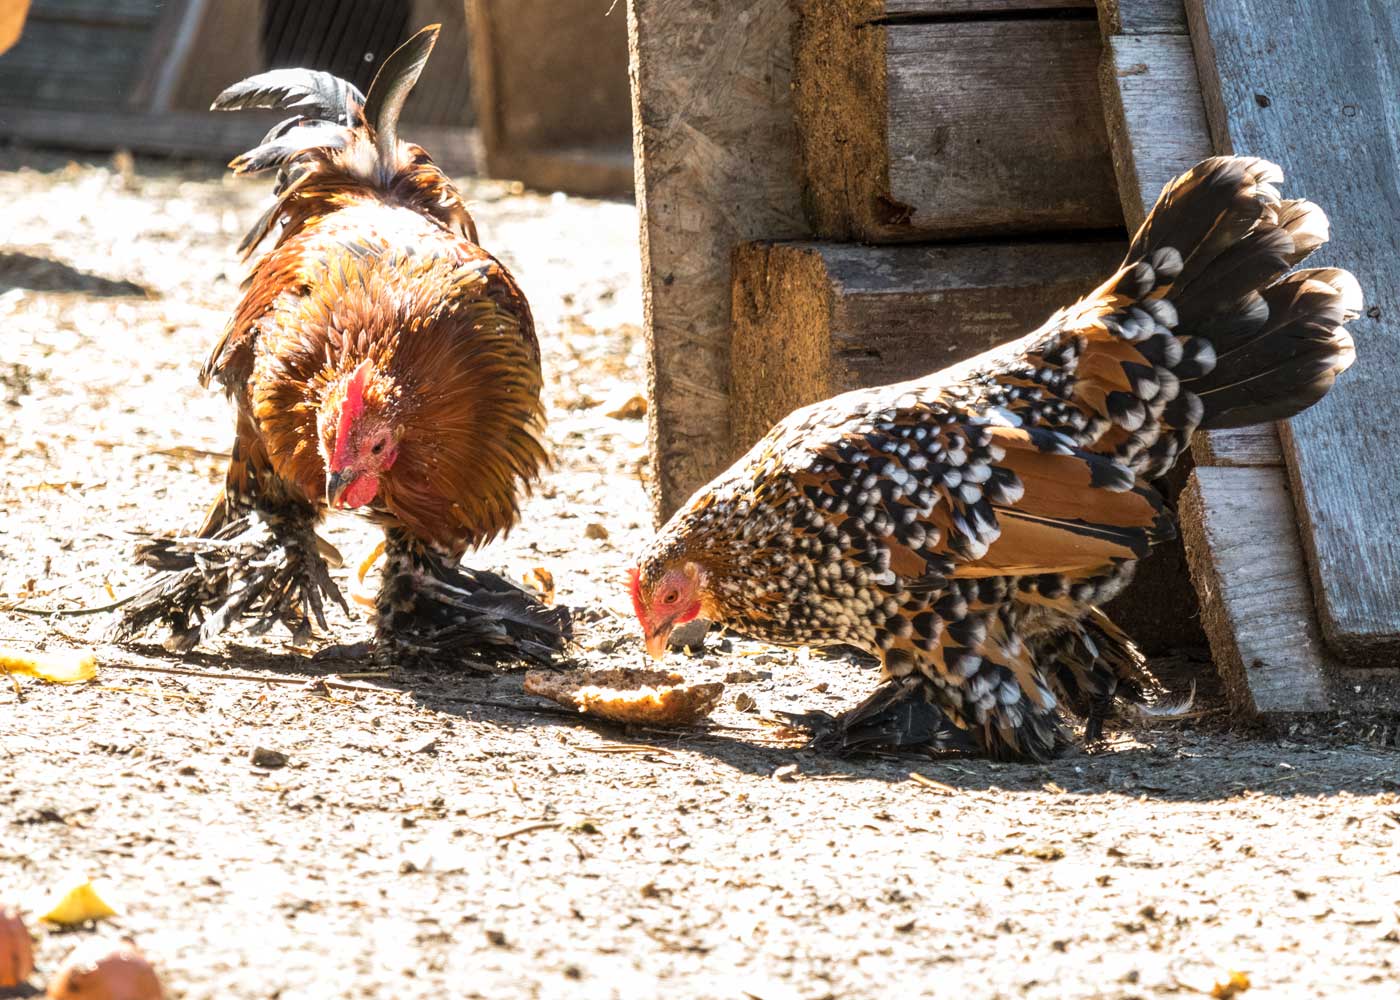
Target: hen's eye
378, 446
670, 597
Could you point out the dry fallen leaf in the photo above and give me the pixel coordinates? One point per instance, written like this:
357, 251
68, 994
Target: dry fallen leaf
629, 695
62, 667
631, 408
1236, 984
541, 581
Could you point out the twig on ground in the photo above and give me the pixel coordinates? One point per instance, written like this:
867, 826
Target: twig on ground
528, 828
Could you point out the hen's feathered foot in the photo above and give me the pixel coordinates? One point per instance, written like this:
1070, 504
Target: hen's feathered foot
898, 714
261, 567
430, 609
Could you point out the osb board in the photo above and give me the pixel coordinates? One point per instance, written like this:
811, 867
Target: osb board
716, 158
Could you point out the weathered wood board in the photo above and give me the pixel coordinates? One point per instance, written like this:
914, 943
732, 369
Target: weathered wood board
813, 319
1255, 602
920, 127
716, 165
1142, 17
1316, 88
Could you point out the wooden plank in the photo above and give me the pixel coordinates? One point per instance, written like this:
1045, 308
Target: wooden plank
1142, 17
912, 130
199, 134
1256, 605
603, 171
550, 74
716, 165
1240, 446
892, 10
1314, 88
1156, 122
815, 319
63, 65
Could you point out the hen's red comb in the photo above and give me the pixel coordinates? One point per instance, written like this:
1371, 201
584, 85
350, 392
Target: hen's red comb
350, 409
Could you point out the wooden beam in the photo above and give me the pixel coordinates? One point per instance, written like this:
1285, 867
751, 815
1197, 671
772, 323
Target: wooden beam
1311, 88
716, 165
913, 130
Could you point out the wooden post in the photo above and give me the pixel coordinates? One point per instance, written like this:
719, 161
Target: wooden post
1311, 88
716, 165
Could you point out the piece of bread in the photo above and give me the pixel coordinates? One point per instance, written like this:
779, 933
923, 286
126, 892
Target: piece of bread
653, 697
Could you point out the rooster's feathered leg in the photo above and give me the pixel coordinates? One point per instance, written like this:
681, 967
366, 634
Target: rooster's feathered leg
259, 565
431, 608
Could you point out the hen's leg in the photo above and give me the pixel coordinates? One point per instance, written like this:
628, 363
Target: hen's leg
898, 714
429, 607
257, 558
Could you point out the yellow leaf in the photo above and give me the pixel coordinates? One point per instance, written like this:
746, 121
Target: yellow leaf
65, 667
77, 905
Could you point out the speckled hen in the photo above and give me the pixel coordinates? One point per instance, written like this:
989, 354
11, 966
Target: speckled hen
965, 527
380, 360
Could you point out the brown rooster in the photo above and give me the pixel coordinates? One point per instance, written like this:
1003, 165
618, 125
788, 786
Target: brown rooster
380, 360
964, 527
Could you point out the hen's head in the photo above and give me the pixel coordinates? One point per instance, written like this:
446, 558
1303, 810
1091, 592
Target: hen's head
666, 593
359, 435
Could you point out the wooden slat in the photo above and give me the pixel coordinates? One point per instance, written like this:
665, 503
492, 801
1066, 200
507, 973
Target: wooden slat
913, 9
603, 171
717, 165
815, 319
63, 65
1256, 605
1142, 17
197, 134
1156, 122
1257, 445
913, 131
1314, 88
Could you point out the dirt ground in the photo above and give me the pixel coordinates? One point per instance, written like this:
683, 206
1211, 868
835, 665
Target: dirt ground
445, 834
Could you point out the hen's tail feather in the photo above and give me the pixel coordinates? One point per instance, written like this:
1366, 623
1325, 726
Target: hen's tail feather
1269, 347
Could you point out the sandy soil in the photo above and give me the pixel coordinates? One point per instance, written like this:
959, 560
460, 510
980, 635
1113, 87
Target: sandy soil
445, 834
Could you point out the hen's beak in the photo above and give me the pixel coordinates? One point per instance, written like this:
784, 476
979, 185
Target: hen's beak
656, 641
336, 485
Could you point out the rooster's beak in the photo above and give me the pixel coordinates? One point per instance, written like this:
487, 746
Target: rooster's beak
656, 641
336, 485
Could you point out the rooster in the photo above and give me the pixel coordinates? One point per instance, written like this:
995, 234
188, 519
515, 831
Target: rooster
965, 527
380, 361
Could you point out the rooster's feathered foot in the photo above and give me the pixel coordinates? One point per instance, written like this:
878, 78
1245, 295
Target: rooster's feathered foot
431, 609
260, 567
898, 714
